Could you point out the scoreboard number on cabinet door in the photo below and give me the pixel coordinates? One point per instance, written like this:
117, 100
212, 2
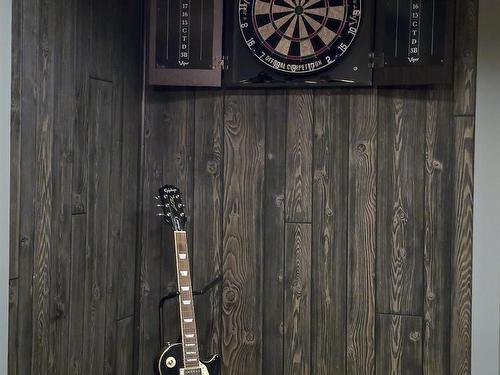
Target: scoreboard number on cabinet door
299, 36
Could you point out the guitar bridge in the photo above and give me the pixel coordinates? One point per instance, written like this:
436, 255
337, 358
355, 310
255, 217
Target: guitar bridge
202, 370
191, 371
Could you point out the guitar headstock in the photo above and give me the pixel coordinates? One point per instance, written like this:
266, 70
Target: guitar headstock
173, 208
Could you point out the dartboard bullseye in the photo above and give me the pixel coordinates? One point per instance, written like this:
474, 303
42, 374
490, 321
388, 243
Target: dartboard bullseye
299, 36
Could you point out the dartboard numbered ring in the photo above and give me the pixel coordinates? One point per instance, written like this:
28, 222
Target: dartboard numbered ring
299, 36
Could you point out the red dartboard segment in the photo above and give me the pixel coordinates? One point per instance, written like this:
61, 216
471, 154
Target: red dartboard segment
299, 36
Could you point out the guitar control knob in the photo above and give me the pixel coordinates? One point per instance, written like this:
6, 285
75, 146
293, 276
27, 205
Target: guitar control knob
170, 362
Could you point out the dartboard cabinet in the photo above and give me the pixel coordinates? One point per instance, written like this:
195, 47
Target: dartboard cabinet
300, 43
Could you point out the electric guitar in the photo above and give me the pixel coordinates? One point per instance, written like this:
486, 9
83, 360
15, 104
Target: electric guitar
182, 358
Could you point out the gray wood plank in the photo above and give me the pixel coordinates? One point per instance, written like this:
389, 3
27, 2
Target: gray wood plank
274, 232
64, 120
125, 346
244, 120
15, 138
399, 344
465, 56
115, 144
13, 325
43, 199
329, 233
362, 233
102, 39
400, 192
299, 156
207, 216
82, 59
77, 297
437, 234
131, 54
461, 263
297, 302
99, 159
151, 235
29, 19
79, 200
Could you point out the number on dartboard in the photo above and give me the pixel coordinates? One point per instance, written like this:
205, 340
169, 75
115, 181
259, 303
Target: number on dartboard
299, 36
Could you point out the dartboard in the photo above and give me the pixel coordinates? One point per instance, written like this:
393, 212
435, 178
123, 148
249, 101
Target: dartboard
299, 36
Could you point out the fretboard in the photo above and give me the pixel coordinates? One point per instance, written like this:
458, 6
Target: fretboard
186, 306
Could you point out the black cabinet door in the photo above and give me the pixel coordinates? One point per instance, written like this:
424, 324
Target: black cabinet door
414, 42
185, 42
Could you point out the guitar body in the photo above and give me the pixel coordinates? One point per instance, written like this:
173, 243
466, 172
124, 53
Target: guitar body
170, 362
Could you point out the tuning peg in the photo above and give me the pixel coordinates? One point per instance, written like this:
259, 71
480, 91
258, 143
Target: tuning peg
159, 205
160, 214
156, 197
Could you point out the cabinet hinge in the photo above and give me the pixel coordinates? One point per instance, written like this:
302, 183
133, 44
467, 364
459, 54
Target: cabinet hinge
376, 60
224, 62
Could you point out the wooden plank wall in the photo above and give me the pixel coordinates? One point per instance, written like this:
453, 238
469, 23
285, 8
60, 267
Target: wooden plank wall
339, 218
75, 166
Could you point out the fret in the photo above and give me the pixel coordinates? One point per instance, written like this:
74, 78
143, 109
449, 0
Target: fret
186, 307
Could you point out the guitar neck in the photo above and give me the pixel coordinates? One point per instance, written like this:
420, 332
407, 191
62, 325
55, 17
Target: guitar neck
186, 305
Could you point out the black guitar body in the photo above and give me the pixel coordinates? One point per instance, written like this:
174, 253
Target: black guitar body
170, 362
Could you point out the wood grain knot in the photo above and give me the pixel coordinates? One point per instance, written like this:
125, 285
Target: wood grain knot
229, 295
319, 175
279, 200
179, 157
96, 292
12, 296
431, 296
400, 215
24, 243
250, 337
361, 148
437, 165
67, 156
212, 167
328, 212
145, 288
414, 336
59, 309
156, 172
78, 206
